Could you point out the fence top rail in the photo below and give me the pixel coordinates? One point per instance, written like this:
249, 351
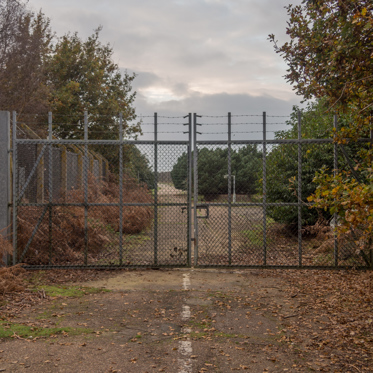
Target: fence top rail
99, 142
282, 141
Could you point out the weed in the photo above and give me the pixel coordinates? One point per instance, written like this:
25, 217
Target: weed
198, 335
218, 294
8, 330
228, 335
254, 235
200, 325
69, 291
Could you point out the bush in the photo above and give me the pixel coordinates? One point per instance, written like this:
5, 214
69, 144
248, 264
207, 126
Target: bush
68, 222
282, 164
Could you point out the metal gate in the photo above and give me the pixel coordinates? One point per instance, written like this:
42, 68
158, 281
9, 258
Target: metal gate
84, 203
257, 222
162, 202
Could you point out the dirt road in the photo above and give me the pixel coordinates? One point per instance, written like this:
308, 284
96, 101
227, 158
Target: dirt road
176, 321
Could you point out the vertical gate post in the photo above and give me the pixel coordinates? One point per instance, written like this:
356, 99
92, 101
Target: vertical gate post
5, 177
155, 189
15, 185
335, 216
299, 188
85, 184
50, 182
229, 188
264, 188
120, 188
371, 147
195, 195
190, 166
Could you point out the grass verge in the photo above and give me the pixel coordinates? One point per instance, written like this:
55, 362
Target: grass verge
68, 291
11, 330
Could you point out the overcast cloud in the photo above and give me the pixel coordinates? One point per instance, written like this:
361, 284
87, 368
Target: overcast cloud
206, 56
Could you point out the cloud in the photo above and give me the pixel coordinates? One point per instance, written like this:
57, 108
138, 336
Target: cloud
219, 104
246, 110
188, 54
144, 79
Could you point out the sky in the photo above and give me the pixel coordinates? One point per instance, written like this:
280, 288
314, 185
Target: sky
205, 56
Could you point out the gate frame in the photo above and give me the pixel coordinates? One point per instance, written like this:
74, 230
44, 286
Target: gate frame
264, 142
5, 179
192, 193
48, 143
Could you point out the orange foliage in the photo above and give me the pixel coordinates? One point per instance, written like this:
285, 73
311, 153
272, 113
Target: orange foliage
68, 222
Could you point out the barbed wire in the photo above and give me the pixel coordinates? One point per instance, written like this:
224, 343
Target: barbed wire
212, 116
212, 124
162, 116
233, 133
225, 133
116, 115
240, 124
180, 132
232, 115
246, 115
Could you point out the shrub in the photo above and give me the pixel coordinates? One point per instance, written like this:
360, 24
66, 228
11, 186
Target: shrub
68, 222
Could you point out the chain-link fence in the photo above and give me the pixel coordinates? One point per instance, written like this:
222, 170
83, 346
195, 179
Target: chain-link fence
205, 191
253, 209
99, 203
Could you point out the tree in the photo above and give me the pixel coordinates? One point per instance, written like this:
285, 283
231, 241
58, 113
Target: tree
179, 173
84, 77
246, 166
330, 56
11, 12
139, 167
68, 78
282, 163
329, 52
213, 167
25, 42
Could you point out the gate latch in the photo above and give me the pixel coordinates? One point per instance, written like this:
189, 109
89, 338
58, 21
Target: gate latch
199, 208
203, 207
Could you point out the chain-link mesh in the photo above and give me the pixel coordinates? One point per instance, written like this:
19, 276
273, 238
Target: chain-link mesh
88, 204
129, 203
256, 194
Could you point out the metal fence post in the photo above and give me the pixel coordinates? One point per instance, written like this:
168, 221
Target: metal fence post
155, 189
85, 184
371, 148
50, 182
229, 188
120, 188
335, 216
15, 188
195, 196
264, 188
190, 166
300, 187
5, 177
